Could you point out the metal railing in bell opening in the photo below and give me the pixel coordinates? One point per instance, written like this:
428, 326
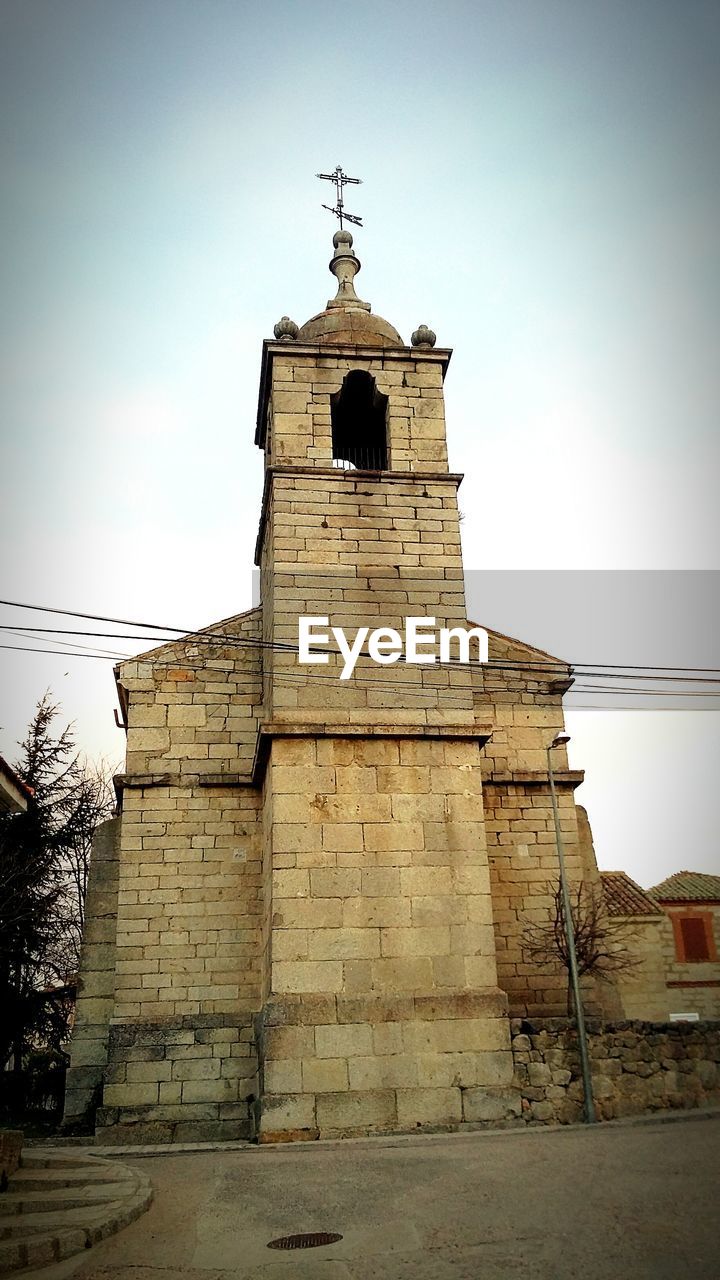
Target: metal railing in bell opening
372, 459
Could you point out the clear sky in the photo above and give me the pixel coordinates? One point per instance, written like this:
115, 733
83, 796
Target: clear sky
541, 187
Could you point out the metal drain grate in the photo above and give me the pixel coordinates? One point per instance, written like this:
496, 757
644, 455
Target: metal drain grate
307, 1240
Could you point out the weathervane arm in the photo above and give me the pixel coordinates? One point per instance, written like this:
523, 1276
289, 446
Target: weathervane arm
340, 180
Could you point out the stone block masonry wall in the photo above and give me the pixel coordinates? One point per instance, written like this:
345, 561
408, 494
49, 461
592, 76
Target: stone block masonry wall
381, 923
524, 872
189, 902
636, 1067
194, 706
299, 411
379, 878
643, 989
189, 1079
88, 1053
187, 960
525, 707
341, 1066
362, 552
186, 937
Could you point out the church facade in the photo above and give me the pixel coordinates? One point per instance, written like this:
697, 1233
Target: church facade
307, 918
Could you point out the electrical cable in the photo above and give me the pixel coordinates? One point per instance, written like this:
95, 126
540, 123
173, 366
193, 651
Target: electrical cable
219, 636
528, 667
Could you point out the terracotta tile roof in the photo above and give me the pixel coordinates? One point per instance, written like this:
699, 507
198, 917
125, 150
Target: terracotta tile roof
625, 898
687, 886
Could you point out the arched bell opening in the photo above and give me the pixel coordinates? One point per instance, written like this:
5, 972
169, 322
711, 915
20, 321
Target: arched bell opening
358, 414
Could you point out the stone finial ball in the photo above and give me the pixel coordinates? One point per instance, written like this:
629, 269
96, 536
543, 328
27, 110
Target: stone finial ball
286, 329
342, 237
423, 337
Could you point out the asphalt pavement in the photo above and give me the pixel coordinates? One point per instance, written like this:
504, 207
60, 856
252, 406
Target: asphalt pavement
620, 1201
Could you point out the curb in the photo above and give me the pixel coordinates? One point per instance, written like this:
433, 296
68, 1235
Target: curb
467, 1133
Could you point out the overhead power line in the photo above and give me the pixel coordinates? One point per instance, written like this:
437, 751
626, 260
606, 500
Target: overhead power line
682, 674
57, 653
447, 694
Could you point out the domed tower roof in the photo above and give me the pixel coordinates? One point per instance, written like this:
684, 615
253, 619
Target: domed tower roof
346, 318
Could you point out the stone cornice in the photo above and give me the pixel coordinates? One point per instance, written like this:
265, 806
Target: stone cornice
126, 781
480, 733
535, 777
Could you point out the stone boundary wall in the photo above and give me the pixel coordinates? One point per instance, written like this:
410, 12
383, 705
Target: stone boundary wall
637, 1067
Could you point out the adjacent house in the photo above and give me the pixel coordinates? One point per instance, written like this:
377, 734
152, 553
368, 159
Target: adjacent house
692, 902
643, 988
673, 931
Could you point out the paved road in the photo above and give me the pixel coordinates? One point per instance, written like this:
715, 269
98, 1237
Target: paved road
616, 1202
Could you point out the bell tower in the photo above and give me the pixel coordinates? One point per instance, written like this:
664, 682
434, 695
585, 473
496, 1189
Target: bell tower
306, 915
380, 1002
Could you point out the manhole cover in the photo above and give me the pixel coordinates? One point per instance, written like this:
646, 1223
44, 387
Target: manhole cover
307, 1240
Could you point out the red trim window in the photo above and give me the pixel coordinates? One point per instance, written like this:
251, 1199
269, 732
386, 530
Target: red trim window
694, 942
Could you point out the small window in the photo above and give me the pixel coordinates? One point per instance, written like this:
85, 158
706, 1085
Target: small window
694, 939
359, 424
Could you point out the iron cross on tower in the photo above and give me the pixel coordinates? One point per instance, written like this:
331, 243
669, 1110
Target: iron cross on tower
341, 180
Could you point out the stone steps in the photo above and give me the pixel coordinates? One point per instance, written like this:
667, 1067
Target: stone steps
65, 1177
59, 1204
55, 1199
50, 1158
44, 1220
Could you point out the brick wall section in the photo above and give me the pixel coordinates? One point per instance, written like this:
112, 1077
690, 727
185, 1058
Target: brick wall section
96, 983
636, 1067
189, 1079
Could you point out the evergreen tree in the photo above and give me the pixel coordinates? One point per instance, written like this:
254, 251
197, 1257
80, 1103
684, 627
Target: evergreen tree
44, 863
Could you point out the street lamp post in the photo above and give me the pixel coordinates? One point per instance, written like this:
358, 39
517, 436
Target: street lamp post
559, 740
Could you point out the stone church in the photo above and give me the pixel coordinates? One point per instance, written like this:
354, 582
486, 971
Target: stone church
306, 919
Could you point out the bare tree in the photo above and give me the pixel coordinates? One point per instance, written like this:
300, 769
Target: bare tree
601, 941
